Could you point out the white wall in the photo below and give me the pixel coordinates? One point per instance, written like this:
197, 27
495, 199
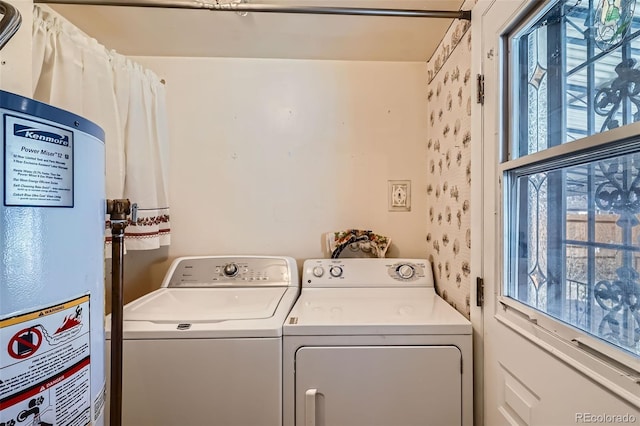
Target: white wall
266, 155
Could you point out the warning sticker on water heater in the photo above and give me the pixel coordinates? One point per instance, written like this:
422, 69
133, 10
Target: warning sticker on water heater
38, 164
45, 366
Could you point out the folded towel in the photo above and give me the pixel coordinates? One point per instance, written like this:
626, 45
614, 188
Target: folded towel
364, 240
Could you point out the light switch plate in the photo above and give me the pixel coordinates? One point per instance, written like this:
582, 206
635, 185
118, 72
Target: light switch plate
399, 195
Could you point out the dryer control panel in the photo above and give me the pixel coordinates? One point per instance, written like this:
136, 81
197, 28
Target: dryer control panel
366, 272
232, 271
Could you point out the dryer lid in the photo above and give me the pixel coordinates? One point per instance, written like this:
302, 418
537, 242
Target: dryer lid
358, 311
198, 305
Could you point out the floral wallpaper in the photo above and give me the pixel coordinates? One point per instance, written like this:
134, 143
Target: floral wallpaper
449, 166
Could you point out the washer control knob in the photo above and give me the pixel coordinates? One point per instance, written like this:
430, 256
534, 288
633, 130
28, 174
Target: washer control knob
230, 270
335, 271
318, 271
405, 271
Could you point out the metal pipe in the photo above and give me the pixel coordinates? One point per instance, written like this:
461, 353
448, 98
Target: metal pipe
10, 22
118, 211
272, 8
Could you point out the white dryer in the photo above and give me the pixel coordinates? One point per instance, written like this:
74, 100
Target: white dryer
206, 348
370, 343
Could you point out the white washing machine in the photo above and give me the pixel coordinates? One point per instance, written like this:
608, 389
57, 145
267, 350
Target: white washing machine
206, 348
370, 343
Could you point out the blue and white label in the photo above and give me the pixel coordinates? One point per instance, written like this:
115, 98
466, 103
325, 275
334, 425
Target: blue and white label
38, 164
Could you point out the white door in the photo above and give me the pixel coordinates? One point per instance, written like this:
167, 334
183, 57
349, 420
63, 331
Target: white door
531, 377
378, 386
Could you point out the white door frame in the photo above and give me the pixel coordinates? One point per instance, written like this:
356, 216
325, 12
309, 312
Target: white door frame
483, 190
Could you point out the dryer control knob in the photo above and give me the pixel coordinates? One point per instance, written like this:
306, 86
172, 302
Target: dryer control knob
405, 271
335, 271
318, 271
230, 270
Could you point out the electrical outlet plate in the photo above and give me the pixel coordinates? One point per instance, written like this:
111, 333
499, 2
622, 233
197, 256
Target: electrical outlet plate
399, 195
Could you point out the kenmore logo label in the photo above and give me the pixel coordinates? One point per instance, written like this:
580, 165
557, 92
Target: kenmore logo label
40, 135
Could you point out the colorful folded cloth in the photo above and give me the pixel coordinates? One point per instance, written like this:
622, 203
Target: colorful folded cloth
365, 240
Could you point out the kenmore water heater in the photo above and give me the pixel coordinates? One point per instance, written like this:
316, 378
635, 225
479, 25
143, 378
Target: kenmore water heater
52, 222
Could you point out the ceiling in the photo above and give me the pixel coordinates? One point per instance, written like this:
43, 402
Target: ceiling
136, 31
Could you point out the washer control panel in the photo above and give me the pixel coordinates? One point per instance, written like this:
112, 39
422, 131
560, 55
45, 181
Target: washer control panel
221, 271
366, 272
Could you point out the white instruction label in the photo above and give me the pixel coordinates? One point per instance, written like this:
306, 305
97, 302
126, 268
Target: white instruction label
38, 164
45, 366
98, 403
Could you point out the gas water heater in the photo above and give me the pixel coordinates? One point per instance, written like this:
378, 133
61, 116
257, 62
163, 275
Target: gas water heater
52, 222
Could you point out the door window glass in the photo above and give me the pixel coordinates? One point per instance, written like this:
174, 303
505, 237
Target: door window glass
573, 220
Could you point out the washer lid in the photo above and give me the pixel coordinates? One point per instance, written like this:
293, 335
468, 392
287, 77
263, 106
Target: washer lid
358, 311
197, 305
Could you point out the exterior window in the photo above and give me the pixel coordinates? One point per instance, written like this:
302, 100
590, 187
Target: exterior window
572, 220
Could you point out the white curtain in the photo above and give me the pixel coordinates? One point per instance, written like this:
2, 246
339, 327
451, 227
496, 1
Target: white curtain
74, 72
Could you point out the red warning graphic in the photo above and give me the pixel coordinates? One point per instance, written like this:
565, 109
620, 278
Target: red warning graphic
68, 324
71, 321
25, 343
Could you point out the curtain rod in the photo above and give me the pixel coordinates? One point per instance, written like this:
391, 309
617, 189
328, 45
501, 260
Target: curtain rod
271, 8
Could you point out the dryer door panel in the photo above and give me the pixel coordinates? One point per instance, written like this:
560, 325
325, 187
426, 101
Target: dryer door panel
378, 386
